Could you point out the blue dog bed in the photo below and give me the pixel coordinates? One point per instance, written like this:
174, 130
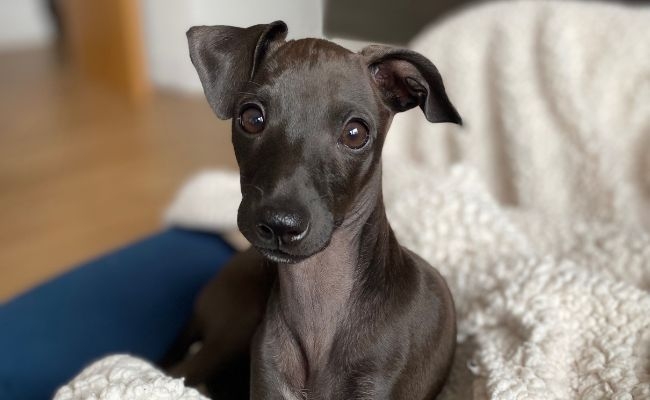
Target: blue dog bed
134, 300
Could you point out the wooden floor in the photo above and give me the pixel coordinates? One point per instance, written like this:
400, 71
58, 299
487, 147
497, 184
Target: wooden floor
82, 171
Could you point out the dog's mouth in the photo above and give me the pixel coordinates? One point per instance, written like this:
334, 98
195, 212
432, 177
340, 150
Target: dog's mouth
279, 256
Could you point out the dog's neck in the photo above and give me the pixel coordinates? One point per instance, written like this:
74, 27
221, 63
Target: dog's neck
314, 294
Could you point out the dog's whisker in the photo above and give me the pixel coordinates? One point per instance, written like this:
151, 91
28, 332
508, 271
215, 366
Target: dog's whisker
254, 186
318, 198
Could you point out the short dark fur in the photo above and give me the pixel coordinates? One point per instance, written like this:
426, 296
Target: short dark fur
334, 307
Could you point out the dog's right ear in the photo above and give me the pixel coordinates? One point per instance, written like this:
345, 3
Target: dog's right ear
226, 57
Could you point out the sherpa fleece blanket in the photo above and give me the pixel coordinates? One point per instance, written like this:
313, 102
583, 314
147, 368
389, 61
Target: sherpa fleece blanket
537, 211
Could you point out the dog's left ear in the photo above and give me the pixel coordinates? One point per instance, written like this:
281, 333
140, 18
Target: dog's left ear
407, 79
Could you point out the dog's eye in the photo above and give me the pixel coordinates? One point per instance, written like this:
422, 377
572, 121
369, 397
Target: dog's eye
355, 135
251, 120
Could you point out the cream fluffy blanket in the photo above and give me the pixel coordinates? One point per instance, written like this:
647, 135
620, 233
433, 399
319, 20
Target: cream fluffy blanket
537, 212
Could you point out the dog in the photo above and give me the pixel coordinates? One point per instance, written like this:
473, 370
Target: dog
326, 304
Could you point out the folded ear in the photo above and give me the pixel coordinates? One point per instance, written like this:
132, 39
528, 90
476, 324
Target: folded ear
226, 57
407, 79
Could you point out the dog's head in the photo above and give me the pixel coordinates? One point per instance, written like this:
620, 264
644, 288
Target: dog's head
309, 121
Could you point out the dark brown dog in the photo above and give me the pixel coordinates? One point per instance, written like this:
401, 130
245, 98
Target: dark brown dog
334, 307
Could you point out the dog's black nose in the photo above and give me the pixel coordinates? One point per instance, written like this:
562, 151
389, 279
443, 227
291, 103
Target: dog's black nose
287, 227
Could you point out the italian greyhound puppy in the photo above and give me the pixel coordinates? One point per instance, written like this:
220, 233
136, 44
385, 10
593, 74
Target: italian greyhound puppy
326, 304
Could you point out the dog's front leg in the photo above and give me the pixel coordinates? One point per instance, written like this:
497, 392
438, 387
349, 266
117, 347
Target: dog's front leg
267, 383
278, 371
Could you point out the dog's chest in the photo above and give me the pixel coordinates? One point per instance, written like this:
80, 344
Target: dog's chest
311, 373
303, 341
298, 362
307, 327
311, 302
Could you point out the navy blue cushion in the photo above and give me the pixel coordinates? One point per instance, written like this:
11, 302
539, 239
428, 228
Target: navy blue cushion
133, 300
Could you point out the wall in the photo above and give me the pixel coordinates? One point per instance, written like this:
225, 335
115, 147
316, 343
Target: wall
166, 21
24, 23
